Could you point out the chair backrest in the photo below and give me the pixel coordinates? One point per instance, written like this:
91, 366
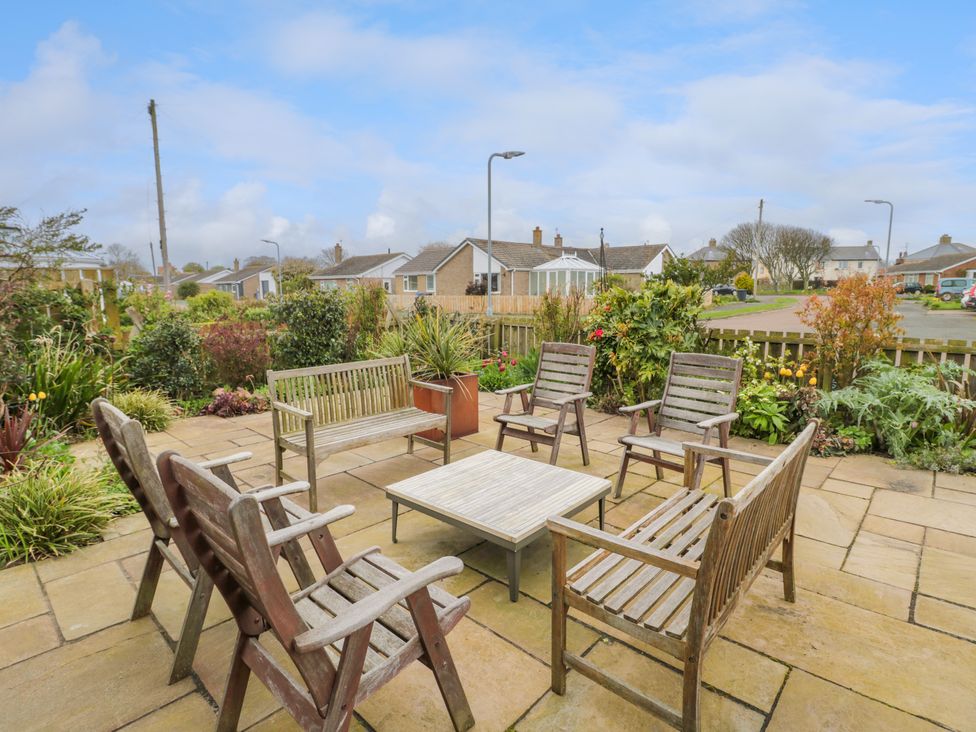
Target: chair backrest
564, 369
745, 530
344, 391
223, 528
699, 386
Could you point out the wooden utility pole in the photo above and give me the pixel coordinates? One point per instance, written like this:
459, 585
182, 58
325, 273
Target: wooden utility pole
159, 198
757, 239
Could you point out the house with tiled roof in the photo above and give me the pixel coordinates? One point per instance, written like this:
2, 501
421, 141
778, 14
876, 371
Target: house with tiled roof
930, 265
713, 254
842, 262
359, 269
205, 281
248, 283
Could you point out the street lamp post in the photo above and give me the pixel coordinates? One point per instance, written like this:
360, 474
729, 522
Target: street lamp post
508, 156
281, 290
891, 216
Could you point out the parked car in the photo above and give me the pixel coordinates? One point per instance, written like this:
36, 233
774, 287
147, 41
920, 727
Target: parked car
723, 290
969, 298
951, 287
909, 288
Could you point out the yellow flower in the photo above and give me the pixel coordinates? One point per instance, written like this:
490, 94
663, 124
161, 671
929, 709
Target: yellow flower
800, 374
813, 381
785, 372
767, 376
32, 397
41, 395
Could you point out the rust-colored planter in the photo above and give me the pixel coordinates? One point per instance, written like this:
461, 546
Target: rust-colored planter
464, 405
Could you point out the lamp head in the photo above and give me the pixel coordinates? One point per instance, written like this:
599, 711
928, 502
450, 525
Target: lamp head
512, 154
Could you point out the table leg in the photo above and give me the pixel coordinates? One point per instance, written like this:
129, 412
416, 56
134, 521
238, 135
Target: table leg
603, 511
514, 570
396, 511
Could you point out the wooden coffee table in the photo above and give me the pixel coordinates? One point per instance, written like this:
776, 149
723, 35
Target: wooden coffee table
502, 498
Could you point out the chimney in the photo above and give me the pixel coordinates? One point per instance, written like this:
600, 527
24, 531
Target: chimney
337, 253
870, 242
712, 243
558, 240
237, 264
537, 237
945, 239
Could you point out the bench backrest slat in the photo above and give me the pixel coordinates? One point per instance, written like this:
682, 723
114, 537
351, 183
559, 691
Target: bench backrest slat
564, 369
699, 386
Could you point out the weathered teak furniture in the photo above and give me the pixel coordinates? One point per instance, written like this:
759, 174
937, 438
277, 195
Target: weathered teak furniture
326, 409
673, 578
562, 382
503, 498
125, 443
699, 396
348, 633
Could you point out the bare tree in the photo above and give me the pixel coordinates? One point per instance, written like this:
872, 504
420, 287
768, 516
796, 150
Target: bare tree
124, 261
804, 249
750, 242
326, 258
264, 260
440, 244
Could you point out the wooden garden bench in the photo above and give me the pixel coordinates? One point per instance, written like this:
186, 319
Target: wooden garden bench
322, 410
125, 442
562, 383
673, 578
699, 398
349, 633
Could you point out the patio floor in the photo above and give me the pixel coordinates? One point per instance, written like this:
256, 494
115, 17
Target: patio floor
882, 635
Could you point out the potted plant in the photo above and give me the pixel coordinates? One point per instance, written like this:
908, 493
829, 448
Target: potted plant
441, 352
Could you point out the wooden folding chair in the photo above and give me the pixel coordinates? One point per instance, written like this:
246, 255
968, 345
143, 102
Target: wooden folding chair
125, 442
347, 634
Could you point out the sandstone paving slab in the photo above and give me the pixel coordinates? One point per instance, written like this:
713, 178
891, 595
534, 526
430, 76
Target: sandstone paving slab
965, 483
589, 706
382, 450
858, 490
636, 506
810, 551
392, 470
882, 473
125, 525
829, 517
101, 682
881, 558
809, 704
919, 671
191, 712
94, 555
27, 639
91, 600
371, 504
252, 438
170, 602
526, 623
500, 680
282, 721
954, 619
932, 512
814, 475
948, 576
21, 593
893, 529
950, 542
948, 494
633, 483
855, 590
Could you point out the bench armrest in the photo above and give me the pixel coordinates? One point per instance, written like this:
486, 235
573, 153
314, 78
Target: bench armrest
618, 545
432, 387
295, 411
724, 452
570, 398
715, 421
306, 526
226, 460
652, 404
513, 389
367, 610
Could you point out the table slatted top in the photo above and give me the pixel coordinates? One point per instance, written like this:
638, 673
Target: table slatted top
505, 495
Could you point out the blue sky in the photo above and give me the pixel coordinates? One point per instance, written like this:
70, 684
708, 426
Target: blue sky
371, 122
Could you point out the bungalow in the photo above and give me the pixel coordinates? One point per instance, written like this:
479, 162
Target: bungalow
419, 275
251, 283
842, 262
712, 255
205, 281
932, 264
346, 273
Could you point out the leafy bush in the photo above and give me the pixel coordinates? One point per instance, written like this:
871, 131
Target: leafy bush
150, 305
852, 326
187, 290
559, 317
366, 308
312, 329
635, 333
152, 409
743, 281
15, 435
762, 413
210, 306
256, 314
166, 355
861, 439
52, 507
238, 352
499, 372
439, 346
235, 403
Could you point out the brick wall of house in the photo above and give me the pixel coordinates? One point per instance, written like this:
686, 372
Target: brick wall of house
456, 274
252, 285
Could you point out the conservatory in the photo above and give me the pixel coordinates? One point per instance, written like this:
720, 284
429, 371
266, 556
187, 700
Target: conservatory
566, 272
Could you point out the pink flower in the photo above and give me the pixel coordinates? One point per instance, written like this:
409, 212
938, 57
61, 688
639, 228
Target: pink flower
505, 353
514, 362
502, 368
598, 333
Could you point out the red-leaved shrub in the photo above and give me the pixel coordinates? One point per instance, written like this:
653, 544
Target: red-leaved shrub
238, 352
234, 403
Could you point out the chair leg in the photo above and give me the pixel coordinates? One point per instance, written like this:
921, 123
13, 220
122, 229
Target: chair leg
622, 473
196, 613
440, 660
230, 707
581, 431
532, 443
279, 453
338, 715
150, 578
409, 444
690, 721
726, 477
501, 437
658, 471
789, 578
313, 490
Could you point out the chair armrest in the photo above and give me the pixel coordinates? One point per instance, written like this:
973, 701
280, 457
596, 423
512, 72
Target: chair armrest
638, 407
432, 387
295, 411
602, 540
367, 610
269, 492
725, 452
306, 526
227, 460
513, 389
715, 421
570, 398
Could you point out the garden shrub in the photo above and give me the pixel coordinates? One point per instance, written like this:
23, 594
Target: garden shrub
237, 352
439, 346
211, 306
365, 308
187, 290
635, 333
166, 355
152, 409
235, 402
498, 372
150, 305
743, 281
312, 329
558, 317
762, 413
851, 327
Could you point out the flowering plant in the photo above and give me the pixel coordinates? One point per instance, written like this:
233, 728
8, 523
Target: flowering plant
234, 402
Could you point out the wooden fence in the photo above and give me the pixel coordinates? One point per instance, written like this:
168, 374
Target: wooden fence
477, 304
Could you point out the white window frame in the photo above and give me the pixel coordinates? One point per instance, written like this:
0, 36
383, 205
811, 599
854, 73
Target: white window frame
496, 280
